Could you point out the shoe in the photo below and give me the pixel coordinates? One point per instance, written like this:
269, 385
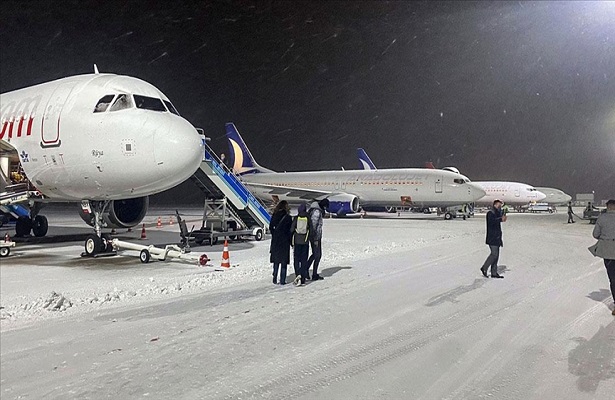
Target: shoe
275, 280
307, 278
297, 280
497, 276
484, 271
317, 277
282, 283
613, 313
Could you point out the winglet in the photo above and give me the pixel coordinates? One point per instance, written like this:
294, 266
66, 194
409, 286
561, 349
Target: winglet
364, 160
96, 69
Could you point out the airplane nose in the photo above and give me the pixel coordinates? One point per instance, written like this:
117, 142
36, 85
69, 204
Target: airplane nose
476, 192
540, 196
179, 151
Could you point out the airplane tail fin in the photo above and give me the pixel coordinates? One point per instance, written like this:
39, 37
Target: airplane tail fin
364, 160
429, 165
243, 161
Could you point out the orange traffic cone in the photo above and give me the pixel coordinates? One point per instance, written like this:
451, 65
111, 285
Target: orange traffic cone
170, 220
7, 238
159, 223
226, 262
143, 236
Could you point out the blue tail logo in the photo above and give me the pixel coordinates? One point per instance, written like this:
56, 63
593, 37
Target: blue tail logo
243, 161
364, 160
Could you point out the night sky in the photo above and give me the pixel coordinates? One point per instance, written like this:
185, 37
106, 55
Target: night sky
519, 91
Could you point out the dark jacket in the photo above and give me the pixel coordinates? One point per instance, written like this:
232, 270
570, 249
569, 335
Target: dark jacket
280, 237
494, 228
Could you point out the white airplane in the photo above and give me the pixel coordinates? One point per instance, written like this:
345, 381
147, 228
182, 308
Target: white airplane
348, 190
107, 141
511, 193
554, 197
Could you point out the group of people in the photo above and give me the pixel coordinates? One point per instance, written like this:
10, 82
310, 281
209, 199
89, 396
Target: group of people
301, 232
604, 232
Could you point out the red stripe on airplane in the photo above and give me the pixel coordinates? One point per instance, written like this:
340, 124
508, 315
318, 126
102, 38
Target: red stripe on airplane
4, 125
20, 126
30, 125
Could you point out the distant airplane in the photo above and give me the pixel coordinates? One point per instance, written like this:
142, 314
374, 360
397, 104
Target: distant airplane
348, 190
554, 197
106, 141
511, 193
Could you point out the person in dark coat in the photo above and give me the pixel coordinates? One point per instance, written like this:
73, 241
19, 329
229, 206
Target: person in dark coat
280, 241
301, 229
494, 239
570, 219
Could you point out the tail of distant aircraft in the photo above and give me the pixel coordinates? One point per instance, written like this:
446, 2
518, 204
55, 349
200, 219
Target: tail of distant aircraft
243, 161
364, 160
429, 165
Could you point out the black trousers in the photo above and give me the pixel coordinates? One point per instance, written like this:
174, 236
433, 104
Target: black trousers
283, 268
316, 256
570, 219
610, 270
492, 260
300, 253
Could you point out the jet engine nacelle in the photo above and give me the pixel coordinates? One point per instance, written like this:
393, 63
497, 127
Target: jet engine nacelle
121, 213
343, 204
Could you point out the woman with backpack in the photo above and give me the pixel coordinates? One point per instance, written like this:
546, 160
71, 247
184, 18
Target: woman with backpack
300, 241
280, 228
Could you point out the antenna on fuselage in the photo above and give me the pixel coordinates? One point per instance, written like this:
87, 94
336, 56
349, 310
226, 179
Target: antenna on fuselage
96, 69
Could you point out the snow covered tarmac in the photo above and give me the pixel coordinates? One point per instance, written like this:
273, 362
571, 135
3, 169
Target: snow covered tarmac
402, 314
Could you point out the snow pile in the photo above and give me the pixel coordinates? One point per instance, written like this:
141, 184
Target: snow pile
53, 302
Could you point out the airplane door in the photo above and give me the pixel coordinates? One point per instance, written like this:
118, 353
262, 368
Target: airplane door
439, 185
50, 128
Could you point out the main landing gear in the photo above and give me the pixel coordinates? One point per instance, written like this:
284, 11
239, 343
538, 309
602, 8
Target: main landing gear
35, 223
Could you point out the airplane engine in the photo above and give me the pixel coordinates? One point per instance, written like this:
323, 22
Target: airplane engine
121, 213
343, 204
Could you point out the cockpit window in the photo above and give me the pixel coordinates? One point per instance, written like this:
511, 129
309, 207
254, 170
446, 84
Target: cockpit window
459, 181
103, 103
149, 103
170, 107
122, 102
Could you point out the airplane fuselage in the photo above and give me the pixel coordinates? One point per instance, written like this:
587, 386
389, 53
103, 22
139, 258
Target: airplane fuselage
511, 193
73, 144
384, 187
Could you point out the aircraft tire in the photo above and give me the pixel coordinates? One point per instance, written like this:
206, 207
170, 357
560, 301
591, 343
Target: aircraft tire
40, 226
23, 226
93, 245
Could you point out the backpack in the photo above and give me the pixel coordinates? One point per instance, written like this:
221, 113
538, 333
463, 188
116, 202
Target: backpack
302, 225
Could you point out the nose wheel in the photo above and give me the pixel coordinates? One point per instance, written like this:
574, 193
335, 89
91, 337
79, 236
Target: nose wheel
97, 243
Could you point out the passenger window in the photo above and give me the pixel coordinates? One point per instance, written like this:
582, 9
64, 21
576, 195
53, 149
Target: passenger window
170, 107
121, 103
103, 103
149, 103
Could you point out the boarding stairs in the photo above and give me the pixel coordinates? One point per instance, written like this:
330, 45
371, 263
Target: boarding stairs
221, 185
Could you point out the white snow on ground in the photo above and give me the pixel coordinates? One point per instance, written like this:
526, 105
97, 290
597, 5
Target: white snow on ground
88, 284
403, 313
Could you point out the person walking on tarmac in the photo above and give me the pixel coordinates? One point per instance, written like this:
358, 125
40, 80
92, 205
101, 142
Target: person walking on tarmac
494, 239
316, 212
301, 232
570, 213
604, 231
279, 227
